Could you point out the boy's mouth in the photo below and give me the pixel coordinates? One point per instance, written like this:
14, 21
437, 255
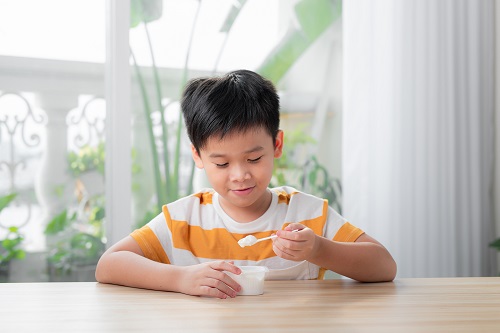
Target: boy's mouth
243, 191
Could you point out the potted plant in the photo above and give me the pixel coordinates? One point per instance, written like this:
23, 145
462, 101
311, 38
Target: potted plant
78, 243
305, 172
10, 244
76, 236
496, 245
87, 165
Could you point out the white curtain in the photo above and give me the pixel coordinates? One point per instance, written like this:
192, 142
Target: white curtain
418, 118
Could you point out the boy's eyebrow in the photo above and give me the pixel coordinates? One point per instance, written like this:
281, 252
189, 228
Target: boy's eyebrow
253, 150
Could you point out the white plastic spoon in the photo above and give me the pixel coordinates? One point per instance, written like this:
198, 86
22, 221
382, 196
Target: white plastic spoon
252, 240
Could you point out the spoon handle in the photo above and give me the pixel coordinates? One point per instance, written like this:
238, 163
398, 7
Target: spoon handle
271, 237
265, 238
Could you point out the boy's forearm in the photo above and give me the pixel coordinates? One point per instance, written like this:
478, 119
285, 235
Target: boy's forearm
361, 261
130, 269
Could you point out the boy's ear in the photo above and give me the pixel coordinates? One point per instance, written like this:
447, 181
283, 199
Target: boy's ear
278, 148
196, 157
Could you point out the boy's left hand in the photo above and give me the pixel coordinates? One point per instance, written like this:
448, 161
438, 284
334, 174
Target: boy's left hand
296, 246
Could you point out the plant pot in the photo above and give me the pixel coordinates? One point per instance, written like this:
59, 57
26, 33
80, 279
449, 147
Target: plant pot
4, 272
73, 272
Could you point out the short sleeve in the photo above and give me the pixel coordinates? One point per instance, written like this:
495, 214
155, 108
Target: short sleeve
150, 245
338, 229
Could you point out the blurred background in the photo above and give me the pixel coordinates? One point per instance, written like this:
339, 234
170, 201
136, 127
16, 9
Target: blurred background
388, 108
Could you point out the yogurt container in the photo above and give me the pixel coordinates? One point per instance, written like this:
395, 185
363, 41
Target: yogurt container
251, 279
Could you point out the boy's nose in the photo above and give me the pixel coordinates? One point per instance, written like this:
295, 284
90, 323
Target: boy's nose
239, 174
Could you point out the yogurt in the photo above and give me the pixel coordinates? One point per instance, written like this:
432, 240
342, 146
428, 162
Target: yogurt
251, 279
247, 241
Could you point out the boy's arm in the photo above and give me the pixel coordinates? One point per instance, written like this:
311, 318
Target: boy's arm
364, 260
124, 264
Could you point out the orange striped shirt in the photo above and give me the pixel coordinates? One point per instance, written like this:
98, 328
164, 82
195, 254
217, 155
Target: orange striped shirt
196, 229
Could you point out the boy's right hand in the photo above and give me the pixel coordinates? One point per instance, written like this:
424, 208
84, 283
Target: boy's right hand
209, 279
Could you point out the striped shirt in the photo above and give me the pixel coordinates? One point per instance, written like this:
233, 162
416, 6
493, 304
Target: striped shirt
195, 229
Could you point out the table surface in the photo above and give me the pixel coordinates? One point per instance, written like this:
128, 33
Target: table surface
404, 305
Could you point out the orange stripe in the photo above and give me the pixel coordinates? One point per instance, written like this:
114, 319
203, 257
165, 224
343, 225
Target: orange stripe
205, 198
347, 233
283, 197
321, 273
217, 243
150, 245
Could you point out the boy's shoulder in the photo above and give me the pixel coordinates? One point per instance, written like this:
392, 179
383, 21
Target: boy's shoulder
292, 195
300, 206
185, 207
203, 196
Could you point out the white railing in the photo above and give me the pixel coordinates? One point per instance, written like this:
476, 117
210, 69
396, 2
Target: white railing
50, 90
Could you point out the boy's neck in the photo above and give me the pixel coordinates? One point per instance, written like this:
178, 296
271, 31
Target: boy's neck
250, 213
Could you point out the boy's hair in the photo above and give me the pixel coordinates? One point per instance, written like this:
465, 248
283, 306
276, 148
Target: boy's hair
238, 101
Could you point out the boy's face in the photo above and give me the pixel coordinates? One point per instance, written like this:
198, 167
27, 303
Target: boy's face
239, 168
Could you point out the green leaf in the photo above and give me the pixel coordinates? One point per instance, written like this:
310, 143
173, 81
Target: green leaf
85, 246
59, 256
232, 15
9, 247
6, 200
98, 213
19, 254
283, 56
145, 11
58, 223
13, 229
496, 244
314, 17
88, 158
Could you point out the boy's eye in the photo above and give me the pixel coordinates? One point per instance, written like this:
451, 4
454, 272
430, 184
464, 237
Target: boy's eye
221, 165
255, 160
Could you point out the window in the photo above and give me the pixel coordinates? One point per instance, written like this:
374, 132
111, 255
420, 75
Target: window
53, 110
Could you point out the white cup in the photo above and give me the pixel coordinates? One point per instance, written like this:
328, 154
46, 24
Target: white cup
251, 279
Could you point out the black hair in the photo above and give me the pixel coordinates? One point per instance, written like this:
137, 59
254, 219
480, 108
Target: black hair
238, 101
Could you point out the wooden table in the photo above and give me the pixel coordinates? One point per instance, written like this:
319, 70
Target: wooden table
405, 305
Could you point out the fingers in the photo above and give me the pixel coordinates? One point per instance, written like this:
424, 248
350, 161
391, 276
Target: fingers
286, 253
294, 242
291, 231
295, 226
212, 292
219, 283
225, 266
222, 266
218, 288
293, 235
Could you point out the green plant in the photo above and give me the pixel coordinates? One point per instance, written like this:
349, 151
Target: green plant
305, 172
79, 236
313, 16
86, 159
10, 245
166, 172
496, 245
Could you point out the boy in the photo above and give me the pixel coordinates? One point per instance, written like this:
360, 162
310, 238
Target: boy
233, 124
